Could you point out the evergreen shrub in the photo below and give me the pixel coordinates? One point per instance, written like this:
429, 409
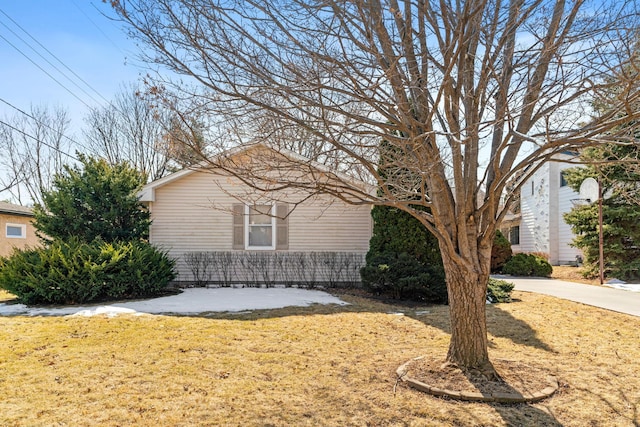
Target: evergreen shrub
402, 276
75, 272
500, 252
499, 290
528, 265
404, 260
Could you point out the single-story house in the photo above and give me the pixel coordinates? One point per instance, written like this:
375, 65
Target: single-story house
16, 228
539, 226
221, 230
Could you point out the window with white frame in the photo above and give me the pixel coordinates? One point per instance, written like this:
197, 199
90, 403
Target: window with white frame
260, 227
16, 231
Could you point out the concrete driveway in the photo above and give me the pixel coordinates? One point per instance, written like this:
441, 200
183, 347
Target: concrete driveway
598, 296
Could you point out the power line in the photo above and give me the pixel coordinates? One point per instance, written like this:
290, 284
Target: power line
97, 26
43, 124
44, 71
37, 139
110, 103
47, 60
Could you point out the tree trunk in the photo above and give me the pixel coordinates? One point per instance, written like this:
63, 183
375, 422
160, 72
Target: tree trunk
467, 300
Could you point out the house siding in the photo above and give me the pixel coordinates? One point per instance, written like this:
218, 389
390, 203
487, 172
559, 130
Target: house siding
7, 245
534, 227
566, 199
193, 214
542, 226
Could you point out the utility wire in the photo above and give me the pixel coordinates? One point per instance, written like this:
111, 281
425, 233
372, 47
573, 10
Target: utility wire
97, 26
57, 69
39, 140
53, 56
59, 132
50, 63
44, 71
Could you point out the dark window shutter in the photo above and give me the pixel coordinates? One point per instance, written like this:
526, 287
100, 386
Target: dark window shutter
238, 226
282, 226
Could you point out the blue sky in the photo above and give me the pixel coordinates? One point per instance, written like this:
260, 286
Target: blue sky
75, 31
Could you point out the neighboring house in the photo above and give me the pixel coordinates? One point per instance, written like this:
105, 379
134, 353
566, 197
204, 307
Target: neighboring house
16, 228
540, 226
220, 230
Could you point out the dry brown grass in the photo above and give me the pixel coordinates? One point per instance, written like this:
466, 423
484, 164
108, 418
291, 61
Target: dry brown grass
5, 296
571, 274
319, 366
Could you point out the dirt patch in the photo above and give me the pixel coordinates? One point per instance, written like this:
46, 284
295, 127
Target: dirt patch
515, 381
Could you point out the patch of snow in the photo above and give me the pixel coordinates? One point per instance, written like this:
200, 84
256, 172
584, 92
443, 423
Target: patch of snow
624, 286
191, 301
109, 310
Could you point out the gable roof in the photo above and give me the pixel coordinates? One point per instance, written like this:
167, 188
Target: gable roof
10, 208
147, 194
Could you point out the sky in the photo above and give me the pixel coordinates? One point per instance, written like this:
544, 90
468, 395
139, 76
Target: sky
89, 56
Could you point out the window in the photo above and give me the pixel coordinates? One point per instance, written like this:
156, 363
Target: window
514, 235
533, 188
563, 179
16, 231
260, 227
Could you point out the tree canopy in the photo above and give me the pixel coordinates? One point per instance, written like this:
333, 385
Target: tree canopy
469, 94
93, 200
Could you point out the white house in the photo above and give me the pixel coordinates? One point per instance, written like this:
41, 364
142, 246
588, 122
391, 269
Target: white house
221, 230
544, 198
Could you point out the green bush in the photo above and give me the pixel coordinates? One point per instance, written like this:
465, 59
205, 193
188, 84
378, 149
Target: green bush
499, 291
75, 272
500, 252
402, 276
527, 265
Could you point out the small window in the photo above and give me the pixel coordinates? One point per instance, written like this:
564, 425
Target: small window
532, 188
563, 179
257, 227
514, 235
16, 231
260, 227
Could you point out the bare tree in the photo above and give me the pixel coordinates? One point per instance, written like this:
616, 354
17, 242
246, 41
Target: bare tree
467, 94
34, 149
130, 129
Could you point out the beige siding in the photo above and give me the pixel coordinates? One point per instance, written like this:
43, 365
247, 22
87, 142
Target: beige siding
193, 214
333, 226
7, 244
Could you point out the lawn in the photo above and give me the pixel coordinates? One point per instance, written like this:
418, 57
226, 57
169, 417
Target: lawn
572, 274
316, 366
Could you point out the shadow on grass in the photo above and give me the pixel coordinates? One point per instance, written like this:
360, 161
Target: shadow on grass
436, 316
500, 323
519, 414
524, 415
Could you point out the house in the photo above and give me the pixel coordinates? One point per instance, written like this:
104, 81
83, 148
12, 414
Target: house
16, 228
540, 226
221, 230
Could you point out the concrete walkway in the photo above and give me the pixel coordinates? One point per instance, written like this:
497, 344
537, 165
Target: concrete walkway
598, 296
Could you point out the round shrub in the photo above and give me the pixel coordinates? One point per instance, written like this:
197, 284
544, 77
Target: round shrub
527, 265
74, 272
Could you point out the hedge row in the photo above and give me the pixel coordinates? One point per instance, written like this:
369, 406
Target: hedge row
74, 272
